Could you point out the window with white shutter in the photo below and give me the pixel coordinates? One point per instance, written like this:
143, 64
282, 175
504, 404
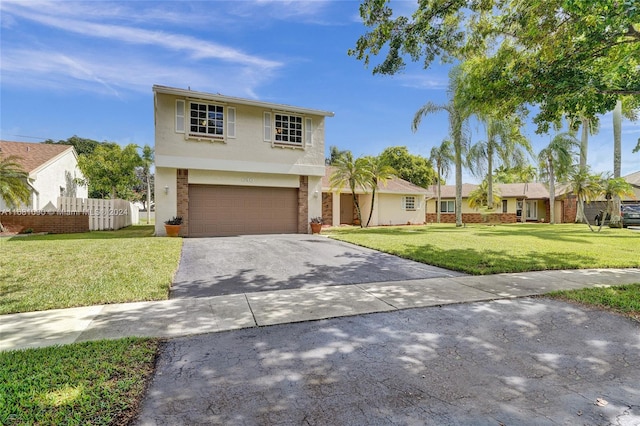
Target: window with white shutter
179, 116
231, 122
267, 127
308, 131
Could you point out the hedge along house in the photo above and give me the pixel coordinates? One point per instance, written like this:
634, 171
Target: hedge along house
397, 202
232, 166
520, 202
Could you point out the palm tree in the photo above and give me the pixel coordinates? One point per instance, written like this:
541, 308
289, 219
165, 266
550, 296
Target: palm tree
379, 171
458, 115
352, 174
479, 197
586, 187
504, 143
613, 189
442, 157
556, 161
14, 189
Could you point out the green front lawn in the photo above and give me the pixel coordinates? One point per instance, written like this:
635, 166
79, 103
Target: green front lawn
97, 383
624, 299
67, 270
481, 249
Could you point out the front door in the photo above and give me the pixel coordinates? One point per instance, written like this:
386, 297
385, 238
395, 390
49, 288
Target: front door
346, 209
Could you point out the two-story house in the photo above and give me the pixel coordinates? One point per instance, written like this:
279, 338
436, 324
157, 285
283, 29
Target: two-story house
232, 166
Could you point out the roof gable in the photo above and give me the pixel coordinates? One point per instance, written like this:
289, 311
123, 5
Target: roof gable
32, 156
395, 185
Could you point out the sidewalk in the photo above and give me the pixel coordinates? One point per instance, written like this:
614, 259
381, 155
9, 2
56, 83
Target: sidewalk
182, 317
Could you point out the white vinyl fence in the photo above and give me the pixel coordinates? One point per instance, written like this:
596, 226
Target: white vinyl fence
103, 214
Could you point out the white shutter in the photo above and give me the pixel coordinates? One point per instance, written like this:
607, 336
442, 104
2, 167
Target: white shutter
308, 131
267, 127
403, 206
231, 122
179, 116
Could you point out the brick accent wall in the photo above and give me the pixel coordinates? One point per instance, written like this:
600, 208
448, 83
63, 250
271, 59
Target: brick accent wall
569, 209
474, 218
327, 208
182, 188
51, 223
303, 206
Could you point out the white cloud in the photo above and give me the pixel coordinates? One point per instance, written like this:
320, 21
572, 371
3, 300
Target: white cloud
116, 75
114, 63
427, 81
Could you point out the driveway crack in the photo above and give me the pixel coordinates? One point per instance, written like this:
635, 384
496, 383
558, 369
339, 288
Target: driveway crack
253, 315
376, 297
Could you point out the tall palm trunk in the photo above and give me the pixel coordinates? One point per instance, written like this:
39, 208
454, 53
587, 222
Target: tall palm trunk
552, 194
439, 195
617, 152
584, 143
458, 149
490, 177
373, 200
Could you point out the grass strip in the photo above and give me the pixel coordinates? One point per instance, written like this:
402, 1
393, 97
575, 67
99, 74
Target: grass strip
100, 267
97, 383
623, 299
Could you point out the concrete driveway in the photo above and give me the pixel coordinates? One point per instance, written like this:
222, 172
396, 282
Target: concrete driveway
246, 264
523, 361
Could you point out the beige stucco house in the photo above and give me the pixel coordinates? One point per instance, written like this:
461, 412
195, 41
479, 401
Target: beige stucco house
397, 202
231, 166
52, 168
520, 202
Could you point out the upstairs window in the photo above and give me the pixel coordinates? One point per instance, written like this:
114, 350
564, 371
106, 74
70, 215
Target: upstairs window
206, 120
288, 129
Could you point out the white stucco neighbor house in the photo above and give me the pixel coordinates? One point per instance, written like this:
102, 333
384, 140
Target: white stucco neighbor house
52, 168
397, 202
232, 166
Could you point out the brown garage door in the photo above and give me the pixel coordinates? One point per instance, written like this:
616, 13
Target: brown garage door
216, 210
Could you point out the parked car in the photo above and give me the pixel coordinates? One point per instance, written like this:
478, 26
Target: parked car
630, 215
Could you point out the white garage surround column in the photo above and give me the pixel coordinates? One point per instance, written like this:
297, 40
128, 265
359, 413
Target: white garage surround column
336, 208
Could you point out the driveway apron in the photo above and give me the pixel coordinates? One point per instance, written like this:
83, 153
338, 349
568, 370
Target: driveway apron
510, 362
246, 264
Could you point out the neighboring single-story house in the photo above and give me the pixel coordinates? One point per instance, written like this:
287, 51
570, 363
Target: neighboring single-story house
232, 166
397, 202
595, 207
52, 168
520, 202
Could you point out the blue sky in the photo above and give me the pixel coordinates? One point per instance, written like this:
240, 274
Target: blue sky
87, 68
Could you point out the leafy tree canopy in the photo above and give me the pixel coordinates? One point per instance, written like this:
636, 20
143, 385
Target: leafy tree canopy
81, 145
334, 155
110, 171
568, 57
413, 168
